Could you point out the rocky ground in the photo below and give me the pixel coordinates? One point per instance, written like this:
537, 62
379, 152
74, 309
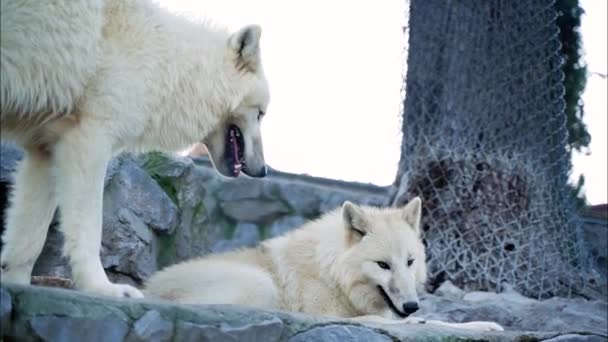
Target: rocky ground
49, 314
160, 210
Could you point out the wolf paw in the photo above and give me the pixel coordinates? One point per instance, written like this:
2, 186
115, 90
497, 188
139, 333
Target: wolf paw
115, 290
15, 276
485, 326
415, 320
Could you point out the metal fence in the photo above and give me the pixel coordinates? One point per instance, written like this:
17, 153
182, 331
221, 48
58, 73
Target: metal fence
485, 145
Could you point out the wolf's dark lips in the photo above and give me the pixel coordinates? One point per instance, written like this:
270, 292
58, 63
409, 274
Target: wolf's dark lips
235, 149
388, 301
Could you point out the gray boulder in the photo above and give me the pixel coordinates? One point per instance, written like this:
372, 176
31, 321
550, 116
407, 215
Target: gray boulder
245, 235
131, 188
516, 312
284, 225
72, 329
9, 157
6, 308
254, 210
269, 330
151, 327
340, 333
49, 314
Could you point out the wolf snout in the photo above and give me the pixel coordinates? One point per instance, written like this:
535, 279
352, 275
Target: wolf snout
410, 307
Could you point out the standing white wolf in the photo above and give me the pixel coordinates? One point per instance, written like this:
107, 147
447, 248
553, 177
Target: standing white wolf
81, 80
356, 262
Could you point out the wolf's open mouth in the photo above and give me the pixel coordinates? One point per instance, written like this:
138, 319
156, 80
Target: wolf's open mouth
235, 148
388, 301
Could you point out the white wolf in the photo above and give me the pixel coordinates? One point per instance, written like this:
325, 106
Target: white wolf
356, 262
82, 80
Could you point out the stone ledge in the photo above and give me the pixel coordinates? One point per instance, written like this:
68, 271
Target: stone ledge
37, 313
368, 188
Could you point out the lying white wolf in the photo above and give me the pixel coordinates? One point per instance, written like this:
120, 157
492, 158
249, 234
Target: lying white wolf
81, 80
356, 262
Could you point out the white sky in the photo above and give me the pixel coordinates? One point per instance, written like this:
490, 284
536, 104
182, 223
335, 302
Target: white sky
594, 166
335, 82
335, 72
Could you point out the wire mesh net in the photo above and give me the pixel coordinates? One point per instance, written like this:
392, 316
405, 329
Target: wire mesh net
485, 146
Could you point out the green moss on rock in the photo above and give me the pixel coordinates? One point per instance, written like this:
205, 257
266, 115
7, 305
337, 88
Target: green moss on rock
154, 163
167, 253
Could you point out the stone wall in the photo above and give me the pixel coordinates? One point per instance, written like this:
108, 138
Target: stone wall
30, 313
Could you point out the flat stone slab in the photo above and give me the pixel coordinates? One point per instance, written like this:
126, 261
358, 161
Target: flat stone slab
53, 314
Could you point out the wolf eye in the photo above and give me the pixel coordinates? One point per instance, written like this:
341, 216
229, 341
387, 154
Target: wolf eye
260, 114
410, 262
383, 265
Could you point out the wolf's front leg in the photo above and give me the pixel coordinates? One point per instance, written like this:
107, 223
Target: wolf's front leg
476, 325
383, 320
28, 217
81, 157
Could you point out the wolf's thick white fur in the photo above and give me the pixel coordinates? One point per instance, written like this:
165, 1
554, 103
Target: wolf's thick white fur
82, 80
329, 266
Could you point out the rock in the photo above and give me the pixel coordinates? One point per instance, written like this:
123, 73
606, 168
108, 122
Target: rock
133, 189
254, 210
595, 234
515, 312
245, 235
67, 329
269, 330
128, 246
481, 296
508, 295
52, 262
164, 164
340, 333
151, 327
560, 314
6, 308
285, 224
9, 157
241, 188
449, 290
113, 166
303, 199
135, 206
40, 313
120, 278
332, 201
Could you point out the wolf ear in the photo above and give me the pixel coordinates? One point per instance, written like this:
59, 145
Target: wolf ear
355, 221
412, 213
246, 44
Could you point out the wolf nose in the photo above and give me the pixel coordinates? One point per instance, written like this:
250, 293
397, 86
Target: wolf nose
264, 171
261, 173
410, 307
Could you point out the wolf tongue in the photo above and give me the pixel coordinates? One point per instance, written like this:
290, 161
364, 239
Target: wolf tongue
235, 151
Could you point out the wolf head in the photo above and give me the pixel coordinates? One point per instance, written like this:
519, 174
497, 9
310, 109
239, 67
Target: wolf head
235, 145
385, 258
